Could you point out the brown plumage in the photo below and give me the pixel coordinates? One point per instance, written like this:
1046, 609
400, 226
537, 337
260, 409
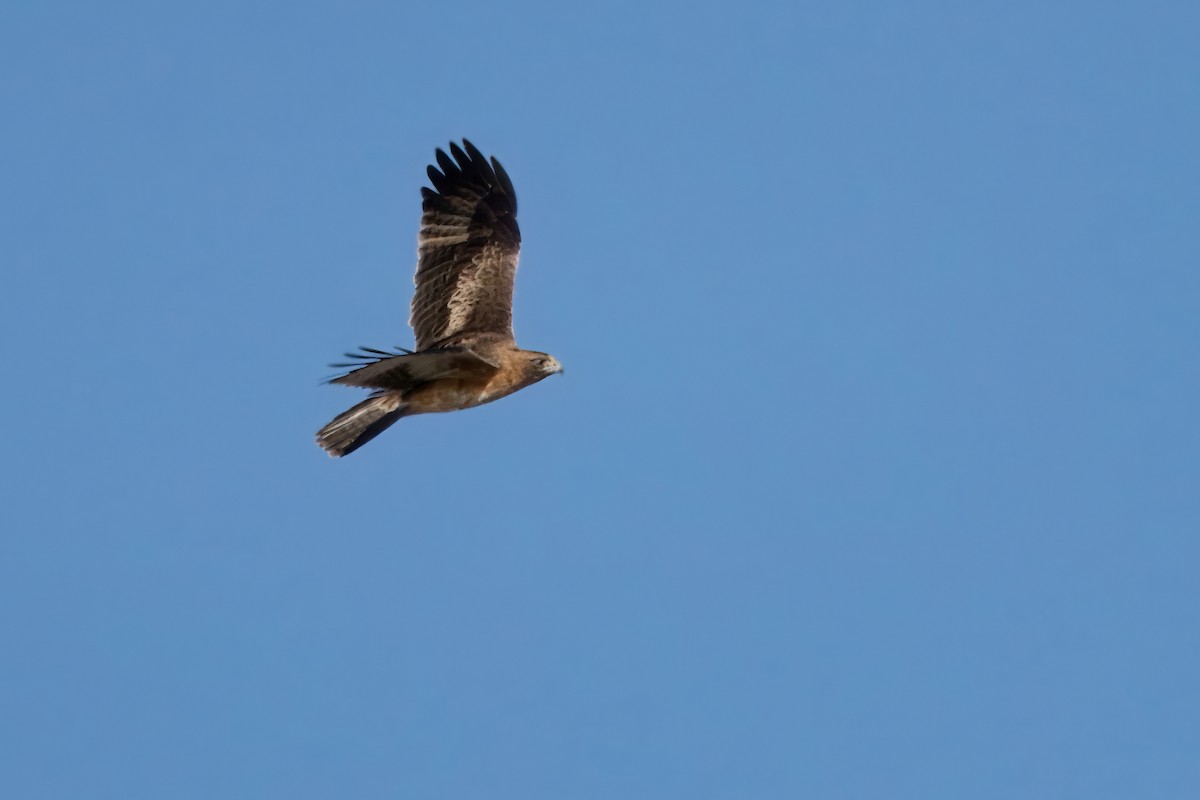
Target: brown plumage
461, 310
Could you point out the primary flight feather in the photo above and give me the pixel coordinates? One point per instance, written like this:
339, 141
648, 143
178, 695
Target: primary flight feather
465, 353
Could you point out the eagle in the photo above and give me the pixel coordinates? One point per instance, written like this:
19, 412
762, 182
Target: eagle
465, 353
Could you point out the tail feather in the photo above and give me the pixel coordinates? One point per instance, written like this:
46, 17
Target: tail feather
355, 427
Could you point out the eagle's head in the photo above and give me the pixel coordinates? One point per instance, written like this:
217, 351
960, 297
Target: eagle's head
541, 365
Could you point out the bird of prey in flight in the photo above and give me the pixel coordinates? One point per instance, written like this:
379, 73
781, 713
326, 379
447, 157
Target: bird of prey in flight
465, 353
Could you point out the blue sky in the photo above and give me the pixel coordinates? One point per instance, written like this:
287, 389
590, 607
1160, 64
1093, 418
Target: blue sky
873, 472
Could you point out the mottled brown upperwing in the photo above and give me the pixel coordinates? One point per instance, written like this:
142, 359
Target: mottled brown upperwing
467, 250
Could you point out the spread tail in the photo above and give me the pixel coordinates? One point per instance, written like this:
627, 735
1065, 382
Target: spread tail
352, 429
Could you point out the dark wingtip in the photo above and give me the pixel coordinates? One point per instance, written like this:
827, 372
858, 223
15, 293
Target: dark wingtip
448, 166
467, 167
505, 182
473, 153
434, 176
459, 155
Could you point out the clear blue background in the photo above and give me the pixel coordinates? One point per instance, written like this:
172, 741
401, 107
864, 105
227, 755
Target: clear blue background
873, 472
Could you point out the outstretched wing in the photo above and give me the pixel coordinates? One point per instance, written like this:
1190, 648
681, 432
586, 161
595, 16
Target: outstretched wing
377, 369
467, 251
